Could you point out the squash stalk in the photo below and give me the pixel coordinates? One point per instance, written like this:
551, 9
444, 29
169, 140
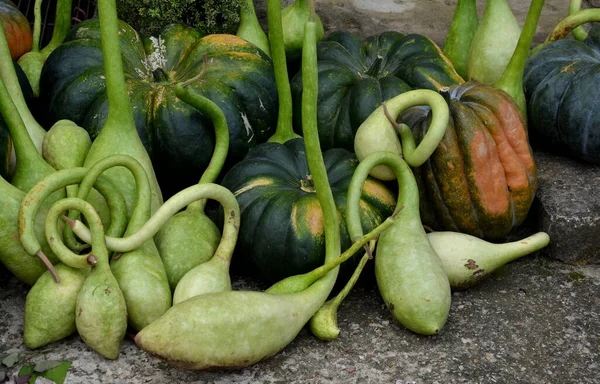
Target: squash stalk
512, 78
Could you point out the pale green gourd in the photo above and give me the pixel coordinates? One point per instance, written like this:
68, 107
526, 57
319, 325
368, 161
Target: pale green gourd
100, 310
460, 35
468, 260
494, 43
250, 29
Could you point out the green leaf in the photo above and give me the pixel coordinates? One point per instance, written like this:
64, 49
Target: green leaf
26, 370
46, 365
57, 374
10, 359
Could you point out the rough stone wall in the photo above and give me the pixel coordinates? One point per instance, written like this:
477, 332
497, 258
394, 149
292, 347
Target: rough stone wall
431, 18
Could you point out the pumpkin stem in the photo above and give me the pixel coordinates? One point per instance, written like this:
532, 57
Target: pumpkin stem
160, 76
512, 78
374, 68
307, 185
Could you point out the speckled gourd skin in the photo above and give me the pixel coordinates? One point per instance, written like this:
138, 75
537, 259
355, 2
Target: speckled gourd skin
101, 313
50, 306
193, 231
23, 266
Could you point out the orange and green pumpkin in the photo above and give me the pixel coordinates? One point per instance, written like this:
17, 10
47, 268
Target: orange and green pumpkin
282, 228
482, 178
17, 29
236, 75
356, 76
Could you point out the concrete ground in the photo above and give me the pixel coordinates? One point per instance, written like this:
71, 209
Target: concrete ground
535, 321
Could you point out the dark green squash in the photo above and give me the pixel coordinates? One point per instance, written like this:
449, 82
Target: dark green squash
355, 77
237, 76
563, 98
482, 178
282, 228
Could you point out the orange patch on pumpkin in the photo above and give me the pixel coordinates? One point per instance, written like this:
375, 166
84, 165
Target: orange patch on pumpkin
488, 175
252, 185
379, 192
307, 214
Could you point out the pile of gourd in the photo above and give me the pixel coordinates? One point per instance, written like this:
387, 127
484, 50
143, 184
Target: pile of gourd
102, 123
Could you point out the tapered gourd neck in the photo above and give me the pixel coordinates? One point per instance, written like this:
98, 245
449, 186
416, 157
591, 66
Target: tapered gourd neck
62, 24
98, 257
120, 117
460, 34
571, 22
408, 192
250, 28
512, 77
37, 25
578, 33
30, 165
8, 75
508, 252
415, 155
284, 130
216, 115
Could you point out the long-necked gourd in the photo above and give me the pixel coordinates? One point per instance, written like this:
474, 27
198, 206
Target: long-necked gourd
9, 76
235, 329
119, 135
250, 29
100, 310
468, 259
460, 35
493, 43
190, 237
33, 61
33, 205
284, 130
140, 272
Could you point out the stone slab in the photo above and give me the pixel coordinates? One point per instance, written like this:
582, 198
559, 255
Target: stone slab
534, 322
568, 208
431, 18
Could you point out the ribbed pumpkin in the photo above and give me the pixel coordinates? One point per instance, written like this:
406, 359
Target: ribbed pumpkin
482, 178
282, 230
237, 76
355, 77
563, 99
17, 29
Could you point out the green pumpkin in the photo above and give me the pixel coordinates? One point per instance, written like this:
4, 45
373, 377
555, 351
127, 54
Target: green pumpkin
237, 76
282, 228
355, 77
563, 99
482, 178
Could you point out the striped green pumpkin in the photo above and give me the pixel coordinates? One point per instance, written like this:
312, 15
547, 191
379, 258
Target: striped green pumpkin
237, 76
282, 228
